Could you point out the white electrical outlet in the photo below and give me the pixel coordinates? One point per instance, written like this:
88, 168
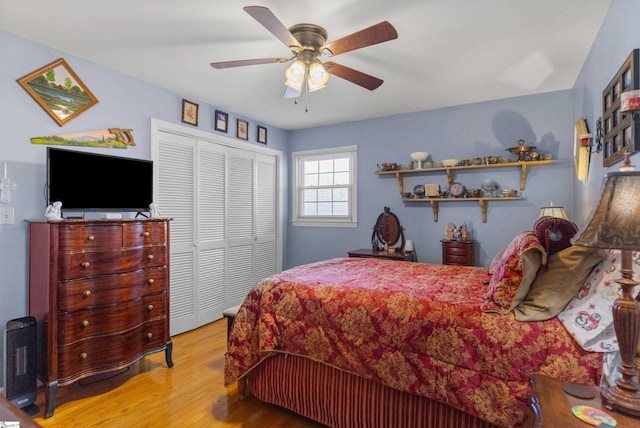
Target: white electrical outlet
6, 215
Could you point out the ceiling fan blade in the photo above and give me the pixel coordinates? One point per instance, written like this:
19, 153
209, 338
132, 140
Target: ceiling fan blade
269, 21
354, 76
375, 34
243, 62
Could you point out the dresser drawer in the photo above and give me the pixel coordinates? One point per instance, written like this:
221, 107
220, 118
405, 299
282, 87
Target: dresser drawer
110, 289
85, 264
462, 260
108, 352
144, 233
74, 326
90, 237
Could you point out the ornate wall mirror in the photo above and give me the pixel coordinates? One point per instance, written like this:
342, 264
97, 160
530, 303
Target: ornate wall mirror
387, 232
621, 131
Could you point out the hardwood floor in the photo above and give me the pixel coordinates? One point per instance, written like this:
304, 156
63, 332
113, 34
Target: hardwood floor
149, 394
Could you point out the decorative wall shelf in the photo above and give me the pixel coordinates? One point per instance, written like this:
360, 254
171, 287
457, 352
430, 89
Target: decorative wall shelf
450, 171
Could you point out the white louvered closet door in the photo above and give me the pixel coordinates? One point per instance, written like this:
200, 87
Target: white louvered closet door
223, 202
211, 237
240, 224
265, 249
175, 197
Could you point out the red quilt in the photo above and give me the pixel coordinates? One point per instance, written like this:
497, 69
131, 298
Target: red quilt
411, 326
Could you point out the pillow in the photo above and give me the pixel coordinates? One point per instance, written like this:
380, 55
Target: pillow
554, 233
554, 288
517, 267
588, 315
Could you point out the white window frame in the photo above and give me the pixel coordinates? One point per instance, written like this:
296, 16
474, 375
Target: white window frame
297, 186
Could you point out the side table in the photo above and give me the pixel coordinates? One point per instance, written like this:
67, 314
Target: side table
457, 252
551, 407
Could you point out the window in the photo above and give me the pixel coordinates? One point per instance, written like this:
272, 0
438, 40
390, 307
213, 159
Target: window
324, 187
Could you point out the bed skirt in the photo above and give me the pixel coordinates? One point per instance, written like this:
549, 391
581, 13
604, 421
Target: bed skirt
343, 400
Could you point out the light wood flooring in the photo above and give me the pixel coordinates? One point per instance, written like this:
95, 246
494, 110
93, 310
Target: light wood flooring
191, 394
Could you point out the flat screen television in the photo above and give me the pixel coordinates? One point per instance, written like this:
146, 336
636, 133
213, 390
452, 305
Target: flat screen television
85, 181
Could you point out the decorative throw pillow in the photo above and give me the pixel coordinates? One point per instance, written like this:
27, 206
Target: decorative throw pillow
552, 289
517, 267
588, 315
554, 233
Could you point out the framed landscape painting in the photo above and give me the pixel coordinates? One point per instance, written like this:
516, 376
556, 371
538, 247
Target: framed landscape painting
59, 91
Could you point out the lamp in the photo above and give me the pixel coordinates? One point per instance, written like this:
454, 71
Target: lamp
553, 211
300, 71
614, 224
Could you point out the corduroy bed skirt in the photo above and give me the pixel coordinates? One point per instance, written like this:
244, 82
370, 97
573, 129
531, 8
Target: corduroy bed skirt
343, 400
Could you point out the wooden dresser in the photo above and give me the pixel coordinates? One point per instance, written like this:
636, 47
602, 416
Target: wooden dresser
100, 292
458, 252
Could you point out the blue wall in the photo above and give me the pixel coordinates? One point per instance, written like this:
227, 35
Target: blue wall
618, 36
462, 132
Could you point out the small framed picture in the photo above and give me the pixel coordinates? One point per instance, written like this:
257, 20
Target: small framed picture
220, 121
243, 129
190, 112
262, 135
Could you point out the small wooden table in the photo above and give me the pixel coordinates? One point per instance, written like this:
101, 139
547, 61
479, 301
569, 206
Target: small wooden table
551, 406
457, 252
363, 252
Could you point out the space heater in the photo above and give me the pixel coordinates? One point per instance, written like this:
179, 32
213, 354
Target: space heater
21, 367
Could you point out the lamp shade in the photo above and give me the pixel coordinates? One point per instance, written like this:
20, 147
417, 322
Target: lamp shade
552, 211
615, 221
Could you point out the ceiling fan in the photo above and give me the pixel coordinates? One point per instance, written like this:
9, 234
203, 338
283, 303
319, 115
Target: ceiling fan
308, 43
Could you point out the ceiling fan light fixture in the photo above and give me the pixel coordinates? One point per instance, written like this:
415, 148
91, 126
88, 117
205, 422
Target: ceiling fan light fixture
295, 75
318, 76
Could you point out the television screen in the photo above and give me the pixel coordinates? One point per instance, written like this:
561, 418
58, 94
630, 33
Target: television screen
93, 182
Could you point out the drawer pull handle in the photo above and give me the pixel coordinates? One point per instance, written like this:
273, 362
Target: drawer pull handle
150, 281
149, 308
85, 323
150, 257
85, 264
145, 234
86, 293
149, 335
91, 238
83, 356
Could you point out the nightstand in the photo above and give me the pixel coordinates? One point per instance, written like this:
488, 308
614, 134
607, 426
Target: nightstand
551, 407
457, 252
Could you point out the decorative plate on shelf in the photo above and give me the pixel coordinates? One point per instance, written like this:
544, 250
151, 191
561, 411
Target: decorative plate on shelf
457, 190
418, 190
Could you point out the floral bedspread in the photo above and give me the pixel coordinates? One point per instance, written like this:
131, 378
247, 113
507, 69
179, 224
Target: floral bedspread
411, 326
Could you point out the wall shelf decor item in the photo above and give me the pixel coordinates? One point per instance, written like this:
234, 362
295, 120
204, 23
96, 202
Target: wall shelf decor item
110, 138
59, 91
621, 131
262, 135
190, 112
581, 155
242, 129
221, 121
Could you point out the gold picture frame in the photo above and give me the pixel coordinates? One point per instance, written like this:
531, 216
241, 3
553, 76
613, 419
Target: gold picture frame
59, 91
190, 112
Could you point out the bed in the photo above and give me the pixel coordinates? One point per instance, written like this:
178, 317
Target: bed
354, 342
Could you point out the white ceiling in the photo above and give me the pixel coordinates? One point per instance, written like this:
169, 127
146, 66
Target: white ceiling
448, 52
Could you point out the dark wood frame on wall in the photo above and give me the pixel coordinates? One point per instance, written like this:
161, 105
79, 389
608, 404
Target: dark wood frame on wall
621, 131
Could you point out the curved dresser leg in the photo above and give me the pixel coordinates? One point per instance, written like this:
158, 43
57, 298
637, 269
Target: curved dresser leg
167, 354
50, 398
242, 388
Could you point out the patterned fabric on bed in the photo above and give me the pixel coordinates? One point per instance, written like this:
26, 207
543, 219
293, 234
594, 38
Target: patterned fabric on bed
414, 327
